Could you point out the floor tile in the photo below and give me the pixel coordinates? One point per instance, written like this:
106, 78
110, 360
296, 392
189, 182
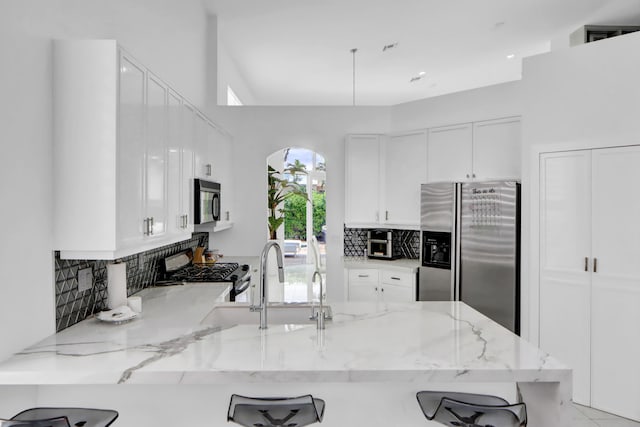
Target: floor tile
616, 422
594, 414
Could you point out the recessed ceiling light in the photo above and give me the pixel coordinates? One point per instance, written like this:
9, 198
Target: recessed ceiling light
511, 56
422, 73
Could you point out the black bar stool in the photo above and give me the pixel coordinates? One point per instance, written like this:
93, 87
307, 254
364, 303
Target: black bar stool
52, 422
275, 411
77, 417
471, 410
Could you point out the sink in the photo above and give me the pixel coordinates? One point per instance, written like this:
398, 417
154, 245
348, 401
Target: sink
224, 315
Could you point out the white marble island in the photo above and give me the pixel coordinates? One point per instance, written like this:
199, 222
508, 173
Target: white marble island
369, 356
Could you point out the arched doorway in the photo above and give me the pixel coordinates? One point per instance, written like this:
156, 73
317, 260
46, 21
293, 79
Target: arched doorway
303, 213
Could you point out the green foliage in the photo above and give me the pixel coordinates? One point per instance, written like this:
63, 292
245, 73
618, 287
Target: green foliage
279, 190
295, 213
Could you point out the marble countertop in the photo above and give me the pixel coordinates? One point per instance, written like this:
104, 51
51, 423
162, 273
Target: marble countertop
171, 344
396, 264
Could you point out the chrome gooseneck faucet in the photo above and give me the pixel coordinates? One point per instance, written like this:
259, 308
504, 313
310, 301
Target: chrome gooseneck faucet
264, 289
320, 315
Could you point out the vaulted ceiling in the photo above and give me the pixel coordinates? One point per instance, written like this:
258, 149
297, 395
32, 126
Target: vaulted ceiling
298, 52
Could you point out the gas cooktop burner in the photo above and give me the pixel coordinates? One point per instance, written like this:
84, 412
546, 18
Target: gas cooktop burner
218, 272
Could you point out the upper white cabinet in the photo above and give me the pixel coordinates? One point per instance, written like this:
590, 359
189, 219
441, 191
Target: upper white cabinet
403, 170
450, 153
496, 149
475, 151
589, 273
124, 147
362, 179
383, 177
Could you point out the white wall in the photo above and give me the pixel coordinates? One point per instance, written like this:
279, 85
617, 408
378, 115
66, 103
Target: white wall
229, 75
260, 131
166, 35
583, 97
491, 102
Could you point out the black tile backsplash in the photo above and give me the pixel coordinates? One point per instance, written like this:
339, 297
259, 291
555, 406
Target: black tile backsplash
355, 242
73, 306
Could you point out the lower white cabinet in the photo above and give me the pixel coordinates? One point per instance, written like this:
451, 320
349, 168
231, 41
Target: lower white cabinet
371, 284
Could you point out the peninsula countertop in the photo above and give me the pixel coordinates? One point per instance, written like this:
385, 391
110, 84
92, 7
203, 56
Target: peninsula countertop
365, 342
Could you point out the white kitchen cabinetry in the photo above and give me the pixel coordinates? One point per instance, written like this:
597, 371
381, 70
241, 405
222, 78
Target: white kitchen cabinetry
371, 284
362, 179
121, 137
403, 171
223, 173
589, 273
180, 165
450, 153
383, 177
496, 149
475, 151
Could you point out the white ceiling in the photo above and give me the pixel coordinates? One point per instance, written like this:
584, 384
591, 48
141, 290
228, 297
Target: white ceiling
297, 52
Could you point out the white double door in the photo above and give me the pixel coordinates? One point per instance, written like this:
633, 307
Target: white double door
590, 273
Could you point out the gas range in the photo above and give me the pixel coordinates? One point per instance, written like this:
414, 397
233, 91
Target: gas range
179, 268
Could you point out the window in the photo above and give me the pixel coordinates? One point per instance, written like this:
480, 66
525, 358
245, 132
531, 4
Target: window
232, 98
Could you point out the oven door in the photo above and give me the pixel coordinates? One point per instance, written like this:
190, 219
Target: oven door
207, 201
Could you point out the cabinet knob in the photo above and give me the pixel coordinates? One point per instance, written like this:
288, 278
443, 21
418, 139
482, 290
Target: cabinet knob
467, 175
473, 175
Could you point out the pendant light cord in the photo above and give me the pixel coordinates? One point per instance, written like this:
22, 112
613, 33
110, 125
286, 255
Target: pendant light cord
353, 51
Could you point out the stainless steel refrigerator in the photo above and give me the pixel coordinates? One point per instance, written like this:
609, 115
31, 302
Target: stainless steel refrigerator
470, 249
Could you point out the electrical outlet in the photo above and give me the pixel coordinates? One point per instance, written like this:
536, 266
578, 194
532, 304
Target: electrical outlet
85, 279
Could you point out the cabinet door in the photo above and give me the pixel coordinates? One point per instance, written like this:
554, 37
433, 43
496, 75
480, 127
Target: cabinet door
202, 162
363, 284
496, 149
189, 156
131, 152
405, 168
615, 318
449, 153
155, 159
224, 169
395, 293
213, 158
362, 180
565, 243
176, 223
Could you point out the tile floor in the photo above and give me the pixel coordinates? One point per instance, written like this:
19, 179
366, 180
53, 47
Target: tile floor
583, 416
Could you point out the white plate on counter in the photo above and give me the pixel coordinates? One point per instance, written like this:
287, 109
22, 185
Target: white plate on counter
117, 315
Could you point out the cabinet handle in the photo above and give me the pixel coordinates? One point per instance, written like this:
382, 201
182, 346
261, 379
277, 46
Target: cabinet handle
473, 175
386, 215
377, 216
395, 278
376, 288
151, 226
186, 221
595, 265
363, 275
227, 215
586, 263
381, 289
467, 175
208, 170
146, 226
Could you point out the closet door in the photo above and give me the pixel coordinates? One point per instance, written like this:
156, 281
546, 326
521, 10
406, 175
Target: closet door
615, 330
565, 247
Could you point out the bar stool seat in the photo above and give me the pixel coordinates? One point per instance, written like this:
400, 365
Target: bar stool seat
77, 417
52, 422
471, 410
275, 411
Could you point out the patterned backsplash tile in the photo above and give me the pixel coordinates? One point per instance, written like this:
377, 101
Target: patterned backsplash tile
72, 306
355, 242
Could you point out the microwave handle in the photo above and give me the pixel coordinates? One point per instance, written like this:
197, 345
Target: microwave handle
216, 206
